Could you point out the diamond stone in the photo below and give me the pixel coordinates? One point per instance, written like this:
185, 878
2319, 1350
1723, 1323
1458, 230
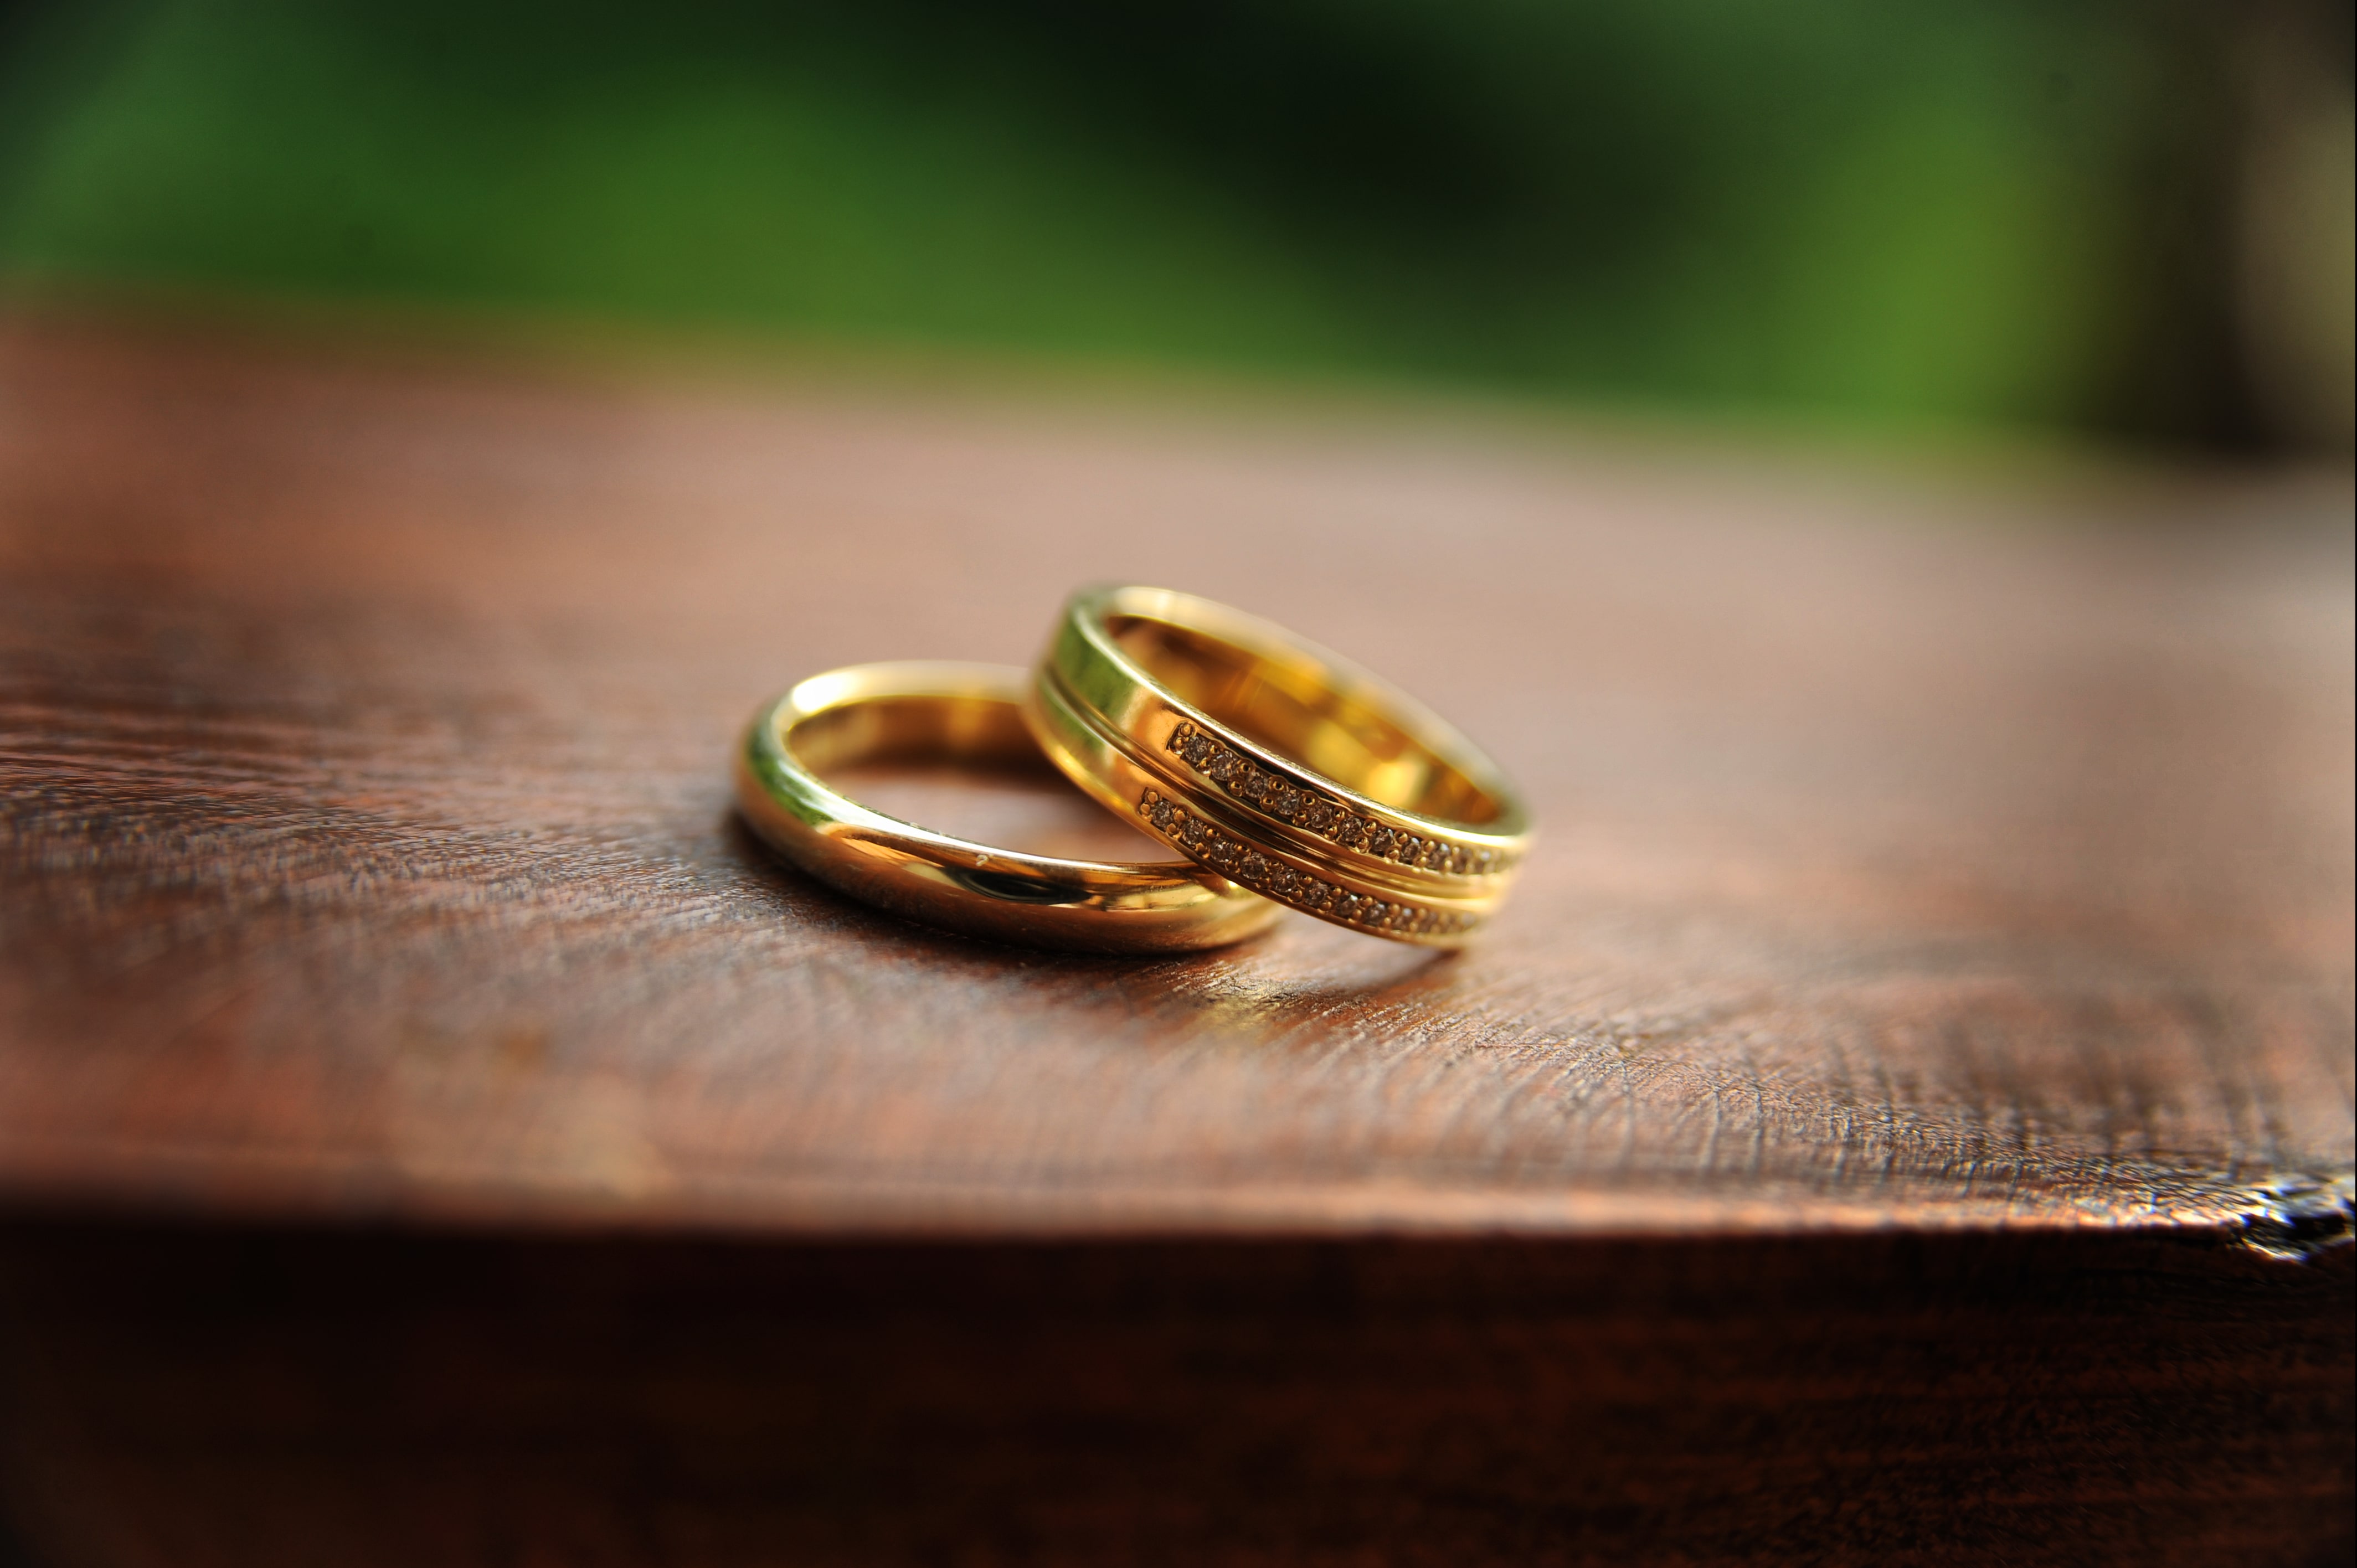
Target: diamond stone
1378, 839
1255, 866
1254, 785
1284, 799
1222, 765
1350, 832
1407, 849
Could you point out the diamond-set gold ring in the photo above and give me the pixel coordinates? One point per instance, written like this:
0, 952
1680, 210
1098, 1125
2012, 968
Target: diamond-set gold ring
1277, 764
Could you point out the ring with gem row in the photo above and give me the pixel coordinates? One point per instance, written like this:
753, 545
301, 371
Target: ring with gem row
1277, 764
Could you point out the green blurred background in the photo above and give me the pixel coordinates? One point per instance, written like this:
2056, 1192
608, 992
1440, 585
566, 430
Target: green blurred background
2128, 220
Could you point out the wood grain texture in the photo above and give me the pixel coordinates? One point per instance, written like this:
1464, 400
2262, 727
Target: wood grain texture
260, 1398
1954, 855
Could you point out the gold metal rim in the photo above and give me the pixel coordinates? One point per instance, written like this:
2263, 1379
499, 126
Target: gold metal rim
958, 711
1278, 764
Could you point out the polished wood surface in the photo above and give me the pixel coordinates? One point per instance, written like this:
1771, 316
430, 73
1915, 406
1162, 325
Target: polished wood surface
1957, 855
1895, 1120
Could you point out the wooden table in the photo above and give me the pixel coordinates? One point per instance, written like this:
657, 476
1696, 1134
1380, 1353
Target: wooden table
1898, 1118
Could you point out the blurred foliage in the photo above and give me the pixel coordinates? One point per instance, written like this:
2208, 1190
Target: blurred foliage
1949, 211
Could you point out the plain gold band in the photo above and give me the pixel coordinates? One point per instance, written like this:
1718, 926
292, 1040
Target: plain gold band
1277, 764
958, 712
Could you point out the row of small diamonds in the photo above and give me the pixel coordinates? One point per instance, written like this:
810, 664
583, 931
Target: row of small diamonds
1288, 802
1281, 882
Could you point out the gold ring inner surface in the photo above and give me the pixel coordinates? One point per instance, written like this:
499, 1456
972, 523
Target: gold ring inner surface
1294, 706
976, 731
962, 765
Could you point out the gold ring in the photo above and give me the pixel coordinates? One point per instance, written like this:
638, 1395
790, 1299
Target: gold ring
1277, 764
968, 713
